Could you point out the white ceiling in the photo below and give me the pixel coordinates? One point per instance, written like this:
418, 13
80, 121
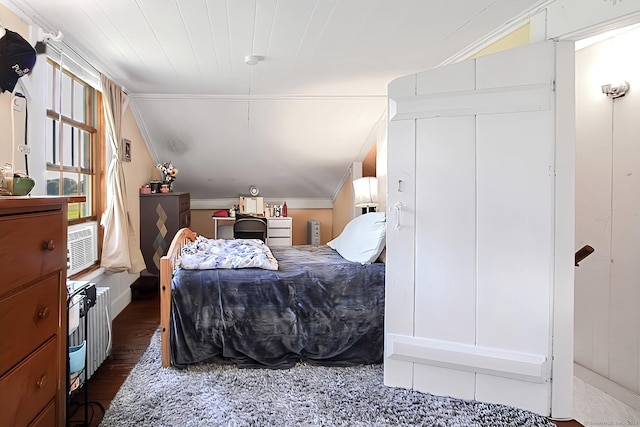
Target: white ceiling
294, 123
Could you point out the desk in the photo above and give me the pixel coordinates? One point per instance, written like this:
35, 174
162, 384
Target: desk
224, 221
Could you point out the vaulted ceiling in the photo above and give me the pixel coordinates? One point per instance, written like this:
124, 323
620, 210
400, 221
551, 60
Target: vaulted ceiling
295, 122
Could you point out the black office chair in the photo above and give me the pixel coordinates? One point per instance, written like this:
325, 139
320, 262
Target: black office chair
250, 228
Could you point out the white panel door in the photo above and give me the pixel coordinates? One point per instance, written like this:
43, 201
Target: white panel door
490, 250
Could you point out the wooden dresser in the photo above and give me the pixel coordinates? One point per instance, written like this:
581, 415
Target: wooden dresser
161, 216
33, 315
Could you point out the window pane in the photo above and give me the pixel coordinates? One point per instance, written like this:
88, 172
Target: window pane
85, 190
73, 210
70, 187
53, 183
51, 136
75, 146
78, 102
86, 151
50, 85
67, 145
66, 94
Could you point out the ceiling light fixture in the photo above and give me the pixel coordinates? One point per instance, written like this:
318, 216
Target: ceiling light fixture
253, 59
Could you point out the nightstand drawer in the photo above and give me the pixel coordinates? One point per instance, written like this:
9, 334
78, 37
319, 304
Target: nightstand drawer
28, 319
27, 389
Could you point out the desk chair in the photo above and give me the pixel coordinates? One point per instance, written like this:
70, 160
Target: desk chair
250, 228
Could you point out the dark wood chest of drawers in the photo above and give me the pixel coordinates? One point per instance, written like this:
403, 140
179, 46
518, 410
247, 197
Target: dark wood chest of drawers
33, 315
161, 216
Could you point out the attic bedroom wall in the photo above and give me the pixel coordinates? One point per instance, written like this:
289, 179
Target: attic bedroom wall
607, 323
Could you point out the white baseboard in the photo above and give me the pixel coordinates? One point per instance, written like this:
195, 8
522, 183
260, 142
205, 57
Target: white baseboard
624, 395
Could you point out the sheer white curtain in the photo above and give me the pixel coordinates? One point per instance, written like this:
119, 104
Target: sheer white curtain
120, 248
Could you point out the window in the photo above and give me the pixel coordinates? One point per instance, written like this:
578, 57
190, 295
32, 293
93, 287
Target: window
74, 141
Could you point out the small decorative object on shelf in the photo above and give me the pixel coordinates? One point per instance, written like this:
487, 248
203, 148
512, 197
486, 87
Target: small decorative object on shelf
284, 209
169, 173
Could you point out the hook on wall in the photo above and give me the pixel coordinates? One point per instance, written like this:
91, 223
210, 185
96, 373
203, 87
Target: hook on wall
44, 37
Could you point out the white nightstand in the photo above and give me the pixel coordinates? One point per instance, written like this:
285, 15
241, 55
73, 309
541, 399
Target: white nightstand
279, 231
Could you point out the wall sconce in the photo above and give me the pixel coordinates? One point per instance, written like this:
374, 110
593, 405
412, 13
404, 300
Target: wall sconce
365, 192
616, 91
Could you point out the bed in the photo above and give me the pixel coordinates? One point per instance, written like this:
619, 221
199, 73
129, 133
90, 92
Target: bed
317, 306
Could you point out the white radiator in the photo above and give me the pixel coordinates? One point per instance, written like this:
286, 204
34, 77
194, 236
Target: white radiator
99, 334
82, 250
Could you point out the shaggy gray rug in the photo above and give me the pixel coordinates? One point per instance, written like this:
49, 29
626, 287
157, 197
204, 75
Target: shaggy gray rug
213, 395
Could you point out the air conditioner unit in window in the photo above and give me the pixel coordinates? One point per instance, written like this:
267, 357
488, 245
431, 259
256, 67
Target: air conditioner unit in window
82, 248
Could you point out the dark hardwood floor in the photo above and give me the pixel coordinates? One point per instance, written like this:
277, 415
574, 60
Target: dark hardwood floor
132, 330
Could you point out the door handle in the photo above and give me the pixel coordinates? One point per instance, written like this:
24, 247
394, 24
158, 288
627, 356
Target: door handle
398, 207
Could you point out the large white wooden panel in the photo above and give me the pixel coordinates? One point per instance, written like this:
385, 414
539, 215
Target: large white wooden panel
444, 381
515, 230
528, 65
453, 78
518, 168
562, 279
446, 229
532, 396
445, 245
399, 288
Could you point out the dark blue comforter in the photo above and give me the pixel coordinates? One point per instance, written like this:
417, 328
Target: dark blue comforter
317, 307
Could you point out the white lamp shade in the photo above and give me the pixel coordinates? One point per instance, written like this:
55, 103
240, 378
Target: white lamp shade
365, 191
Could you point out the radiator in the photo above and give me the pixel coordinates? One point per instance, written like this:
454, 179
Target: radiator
99, 333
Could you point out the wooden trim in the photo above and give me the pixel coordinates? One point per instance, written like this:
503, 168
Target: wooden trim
167, 267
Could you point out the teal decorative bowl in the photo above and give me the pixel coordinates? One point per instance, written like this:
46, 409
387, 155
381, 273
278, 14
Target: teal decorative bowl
22, 185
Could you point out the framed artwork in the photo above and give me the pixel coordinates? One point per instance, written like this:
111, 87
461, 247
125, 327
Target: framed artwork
126, 150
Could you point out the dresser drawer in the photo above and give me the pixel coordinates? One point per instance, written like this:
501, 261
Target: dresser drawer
279, 241
28, 388
279, 222
33, 245
28, 318
47, 417
279, 232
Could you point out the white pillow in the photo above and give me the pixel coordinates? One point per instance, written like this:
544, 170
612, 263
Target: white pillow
362, 239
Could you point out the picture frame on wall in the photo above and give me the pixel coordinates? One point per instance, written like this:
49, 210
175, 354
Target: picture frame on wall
126, 150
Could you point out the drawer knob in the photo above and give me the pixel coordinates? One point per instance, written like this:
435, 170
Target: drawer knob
43, 313
42, 382
50, 245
